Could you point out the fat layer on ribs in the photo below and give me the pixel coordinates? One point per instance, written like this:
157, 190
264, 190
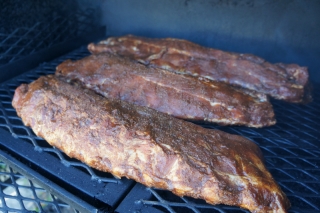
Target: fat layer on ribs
150, 147
182, 96
288, 82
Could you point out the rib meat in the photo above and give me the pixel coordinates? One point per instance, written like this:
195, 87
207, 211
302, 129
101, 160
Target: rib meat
150, 147
282, 81
182, 96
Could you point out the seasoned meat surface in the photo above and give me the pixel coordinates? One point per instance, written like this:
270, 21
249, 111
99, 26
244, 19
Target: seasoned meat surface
182, 96
282, 81
150, 147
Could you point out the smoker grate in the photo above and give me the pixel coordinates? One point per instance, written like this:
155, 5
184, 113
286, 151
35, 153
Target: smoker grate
39, 25
18, 194
291, 149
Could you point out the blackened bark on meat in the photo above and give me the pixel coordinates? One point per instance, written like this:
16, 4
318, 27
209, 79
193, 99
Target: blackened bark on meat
182, 96
148, 146
287, 82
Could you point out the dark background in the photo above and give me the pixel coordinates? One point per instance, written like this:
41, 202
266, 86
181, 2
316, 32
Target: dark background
278, 30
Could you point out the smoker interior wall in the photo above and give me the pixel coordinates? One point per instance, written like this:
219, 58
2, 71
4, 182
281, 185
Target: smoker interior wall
277, 30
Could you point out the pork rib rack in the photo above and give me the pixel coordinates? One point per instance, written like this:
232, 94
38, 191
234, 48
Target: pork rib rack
287, 82
182, 96
148, 146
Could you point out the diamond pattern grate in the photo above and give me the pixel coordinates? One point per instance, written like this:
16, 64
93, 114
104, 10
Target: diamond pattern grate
49, 23
181, 204
18, 194
291, 149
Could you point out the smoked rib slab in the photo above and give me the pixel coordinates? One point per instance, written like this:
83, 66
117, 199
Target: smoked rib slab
150, 147
287, 82
182, 96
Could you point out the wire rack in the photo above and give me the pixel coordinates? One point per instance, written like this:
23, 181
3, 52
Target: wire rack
291, 149
19, 194
29, 26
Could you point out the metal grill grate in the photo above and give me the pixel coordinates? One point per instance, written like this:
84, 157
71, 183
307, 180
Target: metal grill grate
18, 194
291, 149
40, 24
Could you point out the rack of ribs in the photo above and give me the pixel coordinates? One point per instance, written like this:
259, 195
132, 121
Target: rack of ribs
150, 147
182, 96
287, 82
